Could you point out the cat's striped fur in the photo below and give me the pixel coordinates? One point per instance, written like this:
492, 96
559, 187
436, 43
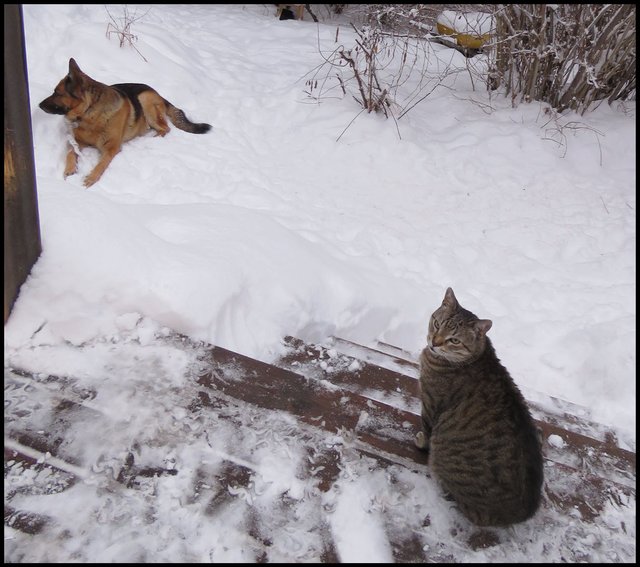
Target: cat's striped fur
482, 442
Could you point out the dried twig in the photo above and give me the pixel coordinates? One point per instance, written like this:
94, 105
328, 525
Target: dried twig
558, 130
122, 28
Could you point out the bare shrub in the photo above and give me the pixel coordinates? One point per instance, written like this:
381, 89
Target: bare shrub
363, 62
571, 56
385, 72
568, 55
121, 27
401, 18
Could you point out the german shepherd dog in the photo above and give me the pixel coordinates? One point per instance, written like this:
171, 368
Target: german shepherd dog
105, 117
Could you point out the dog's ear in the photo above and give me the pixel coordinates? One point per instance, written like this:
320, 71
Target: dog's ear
73, 68
76, 77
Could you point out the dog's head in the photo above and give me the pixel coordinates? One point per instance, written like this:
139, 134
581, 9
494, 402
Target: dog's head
68, 93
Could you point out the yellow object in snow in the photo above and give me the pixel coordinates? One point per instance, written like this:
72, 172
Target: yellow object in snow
469, 30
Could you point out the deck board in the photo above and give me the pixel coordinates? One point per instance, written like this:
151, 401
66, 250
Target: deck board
370, 401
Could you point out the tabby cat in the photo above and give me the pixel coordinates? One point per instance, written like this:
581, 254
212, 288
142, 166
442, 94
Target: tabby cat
482, 442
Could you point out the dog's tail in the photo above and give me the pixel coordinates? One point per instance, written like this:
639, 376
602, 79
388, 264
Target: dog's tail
179, 120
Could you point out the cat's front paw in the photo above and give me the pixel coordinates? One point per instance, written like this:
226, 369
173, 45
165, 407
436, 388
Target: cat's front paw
421, 441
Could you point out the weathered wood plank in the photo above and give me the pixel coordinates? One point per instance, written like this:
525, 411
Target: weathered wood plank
360, 401
597, 453
384, 427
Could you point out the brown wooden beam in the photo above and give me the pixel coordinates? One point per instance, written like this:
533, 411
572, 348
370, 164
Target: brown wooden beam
21, 226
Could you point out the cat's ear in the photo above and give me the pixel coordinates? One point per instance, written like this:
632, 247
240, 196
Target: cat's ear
450, 299
483, 325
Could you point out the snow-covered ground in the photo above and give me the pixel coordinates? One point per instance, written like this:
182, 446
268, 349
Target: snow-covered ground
269, 226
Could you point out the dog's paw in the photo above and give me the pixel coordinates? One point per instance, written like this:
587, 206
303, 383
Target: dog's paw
70, 171
70, 164
89, 180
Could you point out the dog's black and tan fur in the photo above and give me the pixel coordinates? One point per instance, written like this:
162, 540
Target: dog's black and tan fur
105, 117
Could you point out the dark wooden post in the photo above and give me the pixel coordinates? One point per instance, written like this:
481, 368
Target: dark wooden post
21, 227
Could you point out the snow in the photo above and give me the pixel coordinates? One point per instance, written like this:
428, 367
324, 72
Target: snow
267, 226
369, 542
556, 441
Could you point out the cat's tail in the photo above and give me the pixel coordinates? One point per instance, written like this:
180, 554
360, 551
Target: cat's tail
534, 481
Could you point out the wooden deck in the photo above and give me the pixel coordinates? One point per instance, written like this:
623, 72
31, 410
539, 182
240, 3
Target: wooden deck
369, 396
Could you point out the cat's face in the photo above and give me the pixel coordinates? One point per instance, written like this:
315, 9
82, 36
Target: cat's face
456, 334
